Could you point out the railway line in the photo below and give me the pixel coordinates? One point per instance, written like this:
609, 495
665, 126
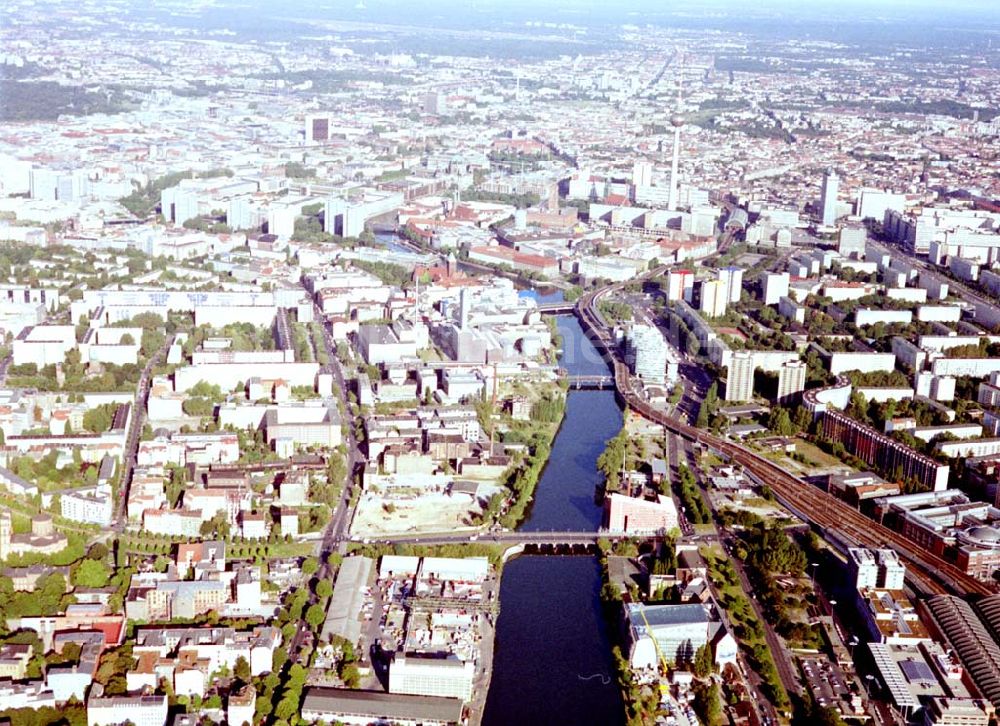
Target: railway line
928, 573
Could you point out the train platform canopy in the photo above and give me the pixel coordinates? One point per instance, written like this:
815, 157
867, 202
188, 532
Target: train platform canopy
343, 615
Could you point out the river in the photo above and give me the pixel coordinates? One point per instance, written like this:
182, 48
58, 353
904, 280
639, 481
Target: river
564, 498
552, 660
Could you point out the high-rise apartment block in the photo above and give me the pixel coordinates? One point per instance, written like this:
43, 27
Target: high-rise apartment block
828, 197
680, 285
775, 287
739, 383
732, 278
791, 380
714, 298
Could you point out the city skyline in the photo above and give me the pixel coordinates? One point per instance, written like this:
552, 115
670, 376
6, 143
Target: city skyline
370, 362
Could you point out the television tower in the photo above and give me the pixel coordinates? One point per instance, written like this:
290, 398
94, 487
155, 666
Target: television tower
676, 120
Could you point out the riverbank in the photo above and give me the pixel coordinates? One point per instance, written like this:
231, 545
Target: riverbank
536, 435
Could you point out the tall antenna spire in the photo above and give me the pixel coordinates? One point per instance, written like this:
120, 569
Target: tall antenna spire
676, 120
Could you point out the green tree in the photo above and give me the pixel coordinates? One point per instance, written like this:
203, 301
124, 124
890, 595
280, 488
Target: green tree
780, 422
612, 460
703, 664
152, 340
202, 407
98, 420
242, 669
315, 616
324, 589
708, 705
91, 573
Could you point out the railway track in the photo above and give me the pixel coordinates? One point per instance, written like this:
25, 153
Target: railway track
929, 573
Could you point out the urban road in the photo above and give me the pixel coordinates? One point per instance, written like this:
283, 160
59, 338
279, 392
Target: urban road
135, 431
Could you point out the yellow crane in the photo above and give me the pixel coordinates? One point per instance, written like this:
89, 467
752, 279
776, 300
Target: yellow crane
664, 687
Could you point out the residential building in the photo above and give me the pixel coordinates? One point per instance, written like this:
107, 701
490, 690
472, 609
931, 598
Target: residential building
714, 298
739, 379
14, 660
91, 506
680, 285
791, 381
775, 287
137, 710
732, 280
241, 706
889, 456
851, 241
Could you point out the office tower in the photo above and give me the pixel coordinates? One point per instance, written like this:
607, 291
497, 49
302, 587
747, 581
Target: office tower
713, 298
873, 569
739, 382
317, 129
435, 103
775, 287
863, 567
828, 198
851, 242
642, 174
791, 380
732, 278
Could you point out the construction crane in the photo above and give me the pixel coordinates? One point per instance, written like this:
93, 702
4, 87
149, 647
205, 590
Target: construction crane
664, 687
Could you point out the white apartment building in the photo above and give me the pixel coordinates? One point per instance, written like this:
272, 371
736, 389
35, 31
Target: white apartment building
739, 382
791, 380
732, 279
137, 710
90, 506
714, 298
775, 287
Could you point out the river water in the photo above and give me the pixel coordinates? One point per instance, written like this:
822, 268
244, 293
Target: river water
552, 660
564, 498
